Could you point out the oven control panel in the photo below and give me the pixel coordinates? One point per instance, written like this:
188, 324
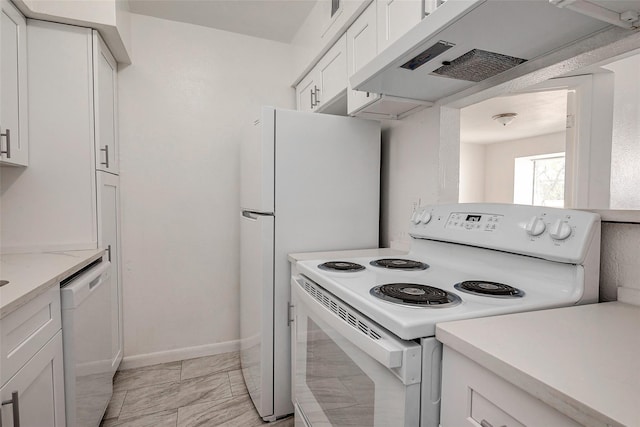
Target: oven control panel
473, 221
555, 234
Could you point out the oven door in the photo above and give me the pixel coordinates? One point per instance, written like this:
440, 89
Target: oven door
346, 369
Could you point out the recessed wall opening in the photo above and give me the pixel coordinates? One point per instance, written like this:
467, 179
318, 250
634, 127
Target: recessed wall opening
512, 149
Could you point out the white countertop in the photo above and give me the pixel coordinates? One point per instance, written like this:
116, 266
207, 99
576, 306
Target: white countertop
31, 274
303, 256
582, 361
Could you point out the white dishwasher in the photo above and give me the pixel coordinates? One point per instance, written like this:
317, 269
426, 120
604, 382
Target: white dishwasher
87, 328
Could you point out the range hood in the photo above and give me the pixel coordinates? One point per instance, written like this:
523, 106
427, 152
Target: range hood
463, 42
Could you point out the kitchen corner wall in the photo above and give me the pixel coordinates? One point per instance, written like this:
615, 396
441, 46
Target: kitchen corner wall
183, 105
410, 172
619, 259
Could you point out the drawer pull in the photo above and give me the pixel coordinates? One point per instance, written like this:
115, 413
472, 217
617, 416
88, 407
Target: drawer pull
16, 409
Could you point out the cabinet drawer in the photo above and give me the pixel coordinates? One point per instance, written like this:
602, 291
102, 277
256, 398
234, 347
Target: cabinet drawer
27, 330
485, 413
473, 396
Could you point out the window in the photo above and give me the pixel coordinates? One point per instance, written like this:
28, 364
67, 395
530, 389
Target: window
539, 180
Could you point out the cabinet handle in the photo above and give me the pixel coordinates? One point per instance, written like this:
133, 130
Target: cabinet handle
7, 134
311, 102
316, 90
106, 156
16, 409
290, 319
109, 252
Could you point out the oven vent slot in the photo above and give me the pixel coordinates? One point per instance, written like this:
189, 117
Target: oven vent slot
341, 311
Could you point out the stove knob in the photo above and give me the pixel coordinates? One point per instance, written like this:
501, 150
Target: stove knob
425, 217
535, 226
415, 217
560, 230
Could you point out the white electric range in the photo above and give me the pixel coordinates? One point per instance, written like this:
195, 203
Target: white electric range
363, 345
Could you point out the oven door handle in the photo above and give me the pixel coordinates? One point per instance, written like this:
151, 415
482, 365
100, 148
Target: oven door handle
387, 350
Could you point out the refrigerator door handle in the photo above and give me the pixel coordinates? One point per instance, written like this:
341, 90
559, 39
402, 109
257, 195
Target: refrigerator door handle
249, 215
254, 215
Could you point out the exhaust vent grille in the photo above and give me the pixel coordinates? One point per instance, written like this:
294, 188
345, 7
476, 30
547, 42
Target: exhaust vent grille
345, 313
477, 65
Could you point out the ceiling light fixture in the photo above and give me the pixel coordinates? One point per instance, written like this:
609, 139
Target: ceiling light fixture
505, 118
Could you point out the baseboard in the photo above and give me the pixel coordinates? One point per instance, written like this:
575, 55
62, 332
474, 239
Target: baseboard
140, 360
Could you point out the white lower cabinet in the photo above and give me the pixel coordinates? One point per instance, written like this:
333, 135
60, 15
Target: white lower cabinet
32, 364
473, 396
109, 238
39, 386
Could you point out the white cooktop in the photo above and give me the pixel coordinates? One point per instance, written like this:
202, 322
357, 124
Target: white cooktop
520, 246
554, 288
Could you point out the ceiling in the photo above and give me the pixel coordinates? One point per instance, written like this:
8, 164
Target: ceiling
539, 113
277, 20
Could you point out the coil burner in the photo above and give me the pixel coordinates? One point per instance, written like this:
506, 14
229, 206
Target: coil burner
342, 266
415, 295
490, 289
399, 264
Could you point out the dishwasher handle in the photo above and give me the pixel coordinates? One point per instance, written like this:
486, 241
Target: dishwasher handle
75, 292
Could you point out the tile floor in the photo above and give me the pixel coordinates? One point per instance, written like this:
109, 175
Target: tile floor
203, 392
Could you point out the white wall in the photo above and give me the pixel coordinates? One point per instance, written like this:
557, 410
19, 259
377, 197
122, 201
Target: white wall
472, 172
625, 150
499, 162
183, 105
410, 157
619, 259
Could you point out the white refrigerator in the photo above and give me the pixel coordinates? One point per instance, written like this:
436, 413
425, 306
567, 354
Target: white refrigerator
309, 182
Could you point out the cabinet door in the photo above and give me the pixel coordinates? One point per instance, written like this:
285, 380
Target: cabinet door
14, 148
361, 48
51, 205
40, 388
109, 239
395, 18
105, 96
306, 92
332, 73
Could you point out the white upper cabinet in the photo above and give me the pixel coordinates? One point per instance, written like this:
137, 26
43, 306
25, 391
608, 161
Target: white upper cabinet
306, 93
332, 74
105, 93
14, 143
395, 18
361, 48
323, 86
